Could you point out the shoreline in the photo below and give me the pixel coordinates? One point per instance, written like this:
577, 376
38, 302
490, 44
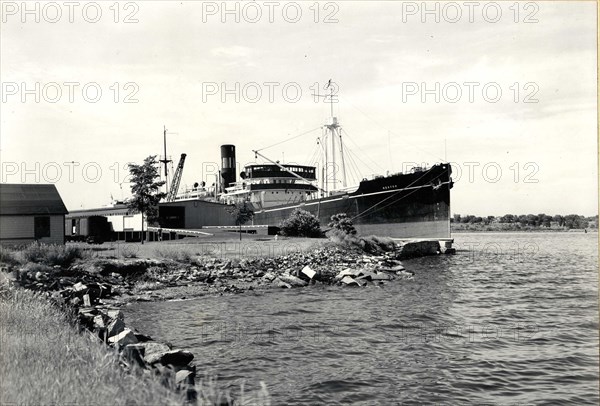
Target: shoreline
91, 285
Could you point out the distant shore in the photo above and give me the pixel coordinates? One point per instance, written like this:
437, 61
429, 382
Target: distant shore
476, 228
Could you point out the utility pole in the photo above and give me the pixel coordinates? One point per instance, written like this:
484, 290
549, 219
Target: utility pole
165, 159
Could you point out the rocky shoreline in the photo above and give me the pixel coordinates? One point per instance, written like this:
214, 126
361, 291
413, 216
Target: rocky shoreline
96, 288
115, 282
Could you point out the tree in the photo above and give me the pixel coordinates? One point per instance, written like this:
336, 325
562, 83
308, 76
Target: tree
560, 220
301, 223
242, 213
341, 222
145, 189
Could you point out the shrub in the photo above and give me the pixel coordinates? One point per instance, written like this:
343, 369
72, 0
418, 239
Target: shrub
173, 254
374, 244
371, 244
8, 257
301, 223
62, 255
32, 268
341, 222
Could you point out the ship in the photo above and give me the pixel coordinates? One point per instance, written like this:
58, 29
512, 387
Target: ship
415, 204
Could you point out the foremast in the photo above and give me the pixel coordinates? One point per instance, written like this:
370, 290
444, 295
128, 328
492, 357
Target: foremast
332, 130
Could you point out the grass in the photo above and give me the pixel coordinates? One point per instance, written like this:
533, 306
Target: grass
166, 252
46, 254
46, 360
221, 245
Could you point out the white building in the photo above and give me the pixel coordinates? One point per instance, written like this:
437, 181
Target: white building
31, 213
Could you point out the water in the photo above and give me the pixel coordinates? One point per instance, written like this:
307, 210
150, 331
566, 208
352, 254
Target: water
510, 319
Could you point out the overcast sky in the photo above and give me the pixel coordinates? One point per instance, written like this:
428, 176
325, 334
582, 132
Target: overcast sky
530, 149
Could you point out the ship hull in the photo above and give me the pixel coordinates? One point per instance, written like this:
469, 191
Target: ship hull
414, 205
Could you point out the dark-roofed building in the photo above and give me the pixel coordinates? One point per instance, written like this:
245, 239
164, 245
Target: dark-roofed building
31, 213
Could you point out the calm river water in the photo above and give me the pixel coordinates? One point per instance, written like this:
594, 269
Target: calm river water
510, 319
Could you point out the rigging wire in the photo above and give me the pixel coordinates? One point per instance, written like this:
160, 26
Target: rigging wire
352, 153
357, 146
289, 139
396, 135
353, 167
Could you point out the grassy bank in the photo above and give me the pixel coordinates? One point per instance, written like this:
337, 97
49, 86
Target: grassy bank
221, 245
45, 359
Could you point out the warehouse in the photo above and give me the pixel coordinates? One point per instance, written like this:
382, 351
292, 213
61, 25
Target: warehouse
31, 213
124, 224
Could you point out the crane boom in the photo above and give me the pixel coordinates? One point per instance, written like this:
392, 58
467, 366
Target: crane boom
176, 179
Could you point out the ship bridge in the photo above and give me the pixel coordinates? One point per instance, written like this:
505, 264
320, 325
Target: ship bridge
267, 185
274, 171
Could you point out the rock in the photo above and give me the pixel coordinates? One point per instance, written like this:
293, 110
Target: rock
123, 338
115, 314
308, 272
134, 353
418, 249
381, 277
183, 375
172, 357
404, 274
281, 284
269, 276
349, 272
394, 268
99, 322
154, 348
79, 287
86, 300
292, 280
142, 338
115, 327
348, 280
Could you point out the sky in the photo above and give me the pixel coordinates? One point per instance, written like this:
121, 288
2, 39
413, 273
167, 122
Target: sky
506, 92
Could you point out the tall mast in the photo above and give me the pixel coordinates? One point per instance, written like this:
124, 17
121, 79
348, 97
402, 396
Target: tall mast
333, 129
344, 183
333, 166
